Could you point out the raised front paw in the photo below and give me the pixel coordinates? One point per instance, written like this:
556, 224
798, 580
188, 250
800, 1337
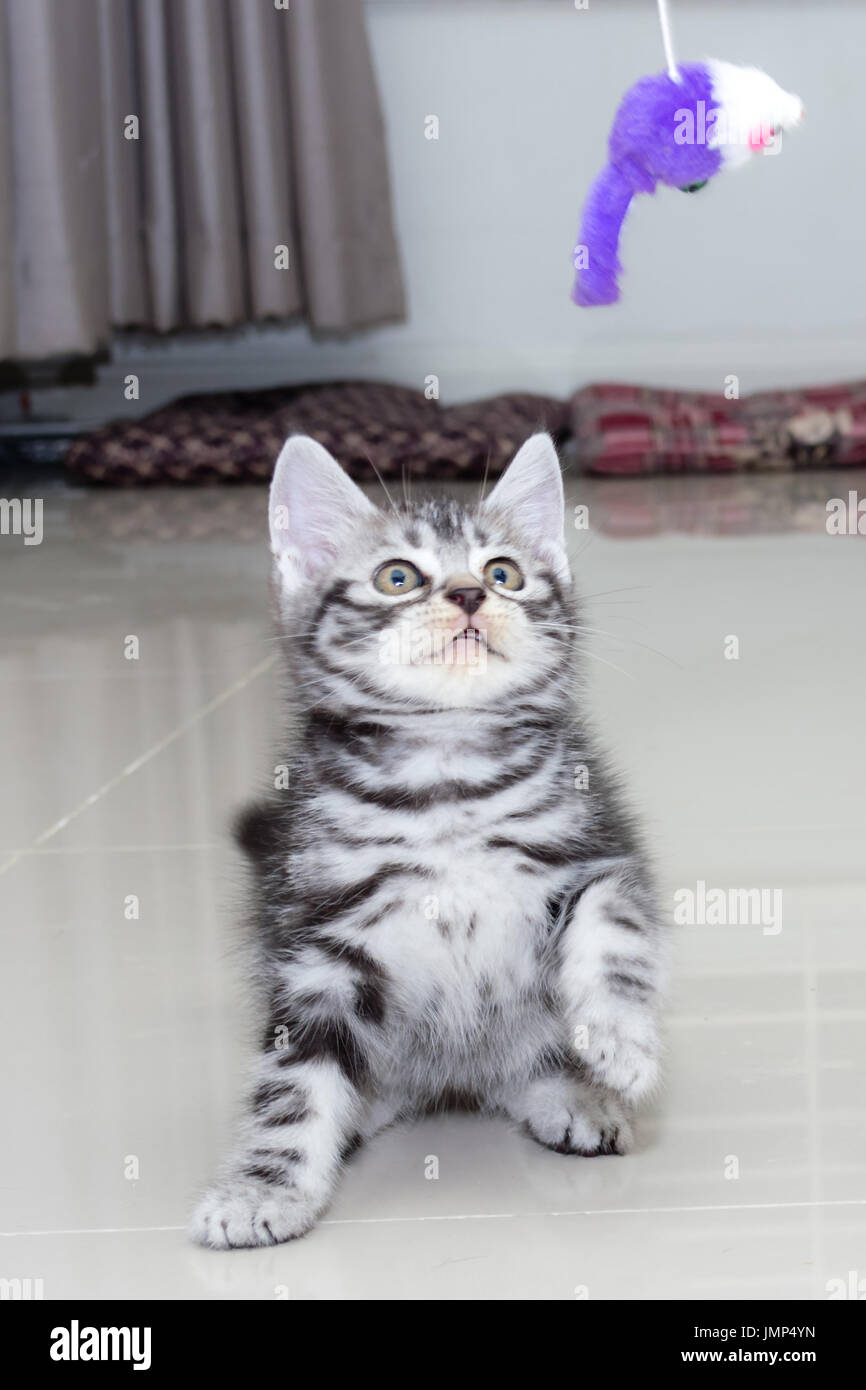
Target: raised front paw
623, 1056
245, 1212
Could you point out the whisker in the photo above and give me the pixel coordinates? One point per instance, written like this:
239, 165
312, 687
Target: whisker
594, 656
624, 637
394, 508
407, 497
626, 589
483, 491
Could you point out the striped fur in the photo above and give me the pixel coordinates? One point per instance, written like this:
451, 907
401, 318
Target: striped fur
447, 906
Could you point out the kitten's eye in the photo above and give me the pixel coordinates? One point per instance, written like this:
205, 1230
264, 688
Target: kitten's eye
503, 574
397, 577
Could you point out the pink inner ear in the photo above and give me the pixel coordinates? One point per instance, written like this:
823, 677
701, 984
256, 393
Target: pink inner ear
317, 558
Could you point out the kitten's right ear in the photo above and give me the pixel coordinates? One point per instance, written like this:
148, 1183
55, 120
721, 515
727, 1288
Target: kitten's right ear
312, 505
529, 495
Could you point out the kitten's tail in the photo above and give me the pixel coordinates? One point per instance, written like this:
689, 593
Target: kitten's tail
596, 255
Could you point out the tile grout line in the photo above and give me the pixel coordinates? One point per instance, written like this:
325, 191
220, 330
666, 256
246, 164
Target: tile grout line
140, 761
482, 1216
113, 849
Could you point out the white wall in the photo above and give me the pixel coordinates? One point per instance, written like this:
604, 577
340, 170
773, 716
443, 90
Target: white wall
762, 274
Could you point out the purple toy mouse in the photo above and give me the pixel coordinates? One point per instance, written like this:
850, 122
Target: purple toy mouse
678, 132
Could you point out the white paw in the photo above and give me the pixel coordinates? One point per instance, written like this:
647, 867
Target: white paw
623, 1057
572, 1118
245, 1212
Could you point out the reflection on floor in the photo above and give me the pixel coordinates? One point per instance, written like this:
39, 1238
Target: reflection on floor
119, 893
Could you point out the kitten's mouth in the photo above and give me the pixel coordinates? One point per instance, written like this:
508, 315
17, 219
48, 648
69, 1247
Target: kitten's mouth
475, 639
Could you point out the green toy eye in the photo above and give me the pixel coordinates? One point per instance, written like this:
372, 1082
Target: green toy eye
693, 187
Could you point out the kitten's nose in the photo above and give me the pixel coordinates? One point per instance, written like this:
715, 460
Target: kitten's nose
468, 599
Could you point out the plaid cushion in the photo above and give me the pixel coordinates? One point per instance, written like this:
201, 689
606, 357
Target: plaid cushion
634, 429
236, 436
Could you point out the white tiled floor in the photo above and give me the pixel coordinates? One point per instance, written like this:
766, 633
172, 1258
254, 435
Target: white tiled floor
124, 1039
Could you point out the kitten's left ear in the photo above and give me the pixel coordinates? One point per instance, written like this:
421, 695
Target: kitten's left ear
529, 496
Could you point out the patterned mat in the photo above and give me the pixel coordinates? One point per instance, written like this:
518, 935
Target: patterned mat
234, 437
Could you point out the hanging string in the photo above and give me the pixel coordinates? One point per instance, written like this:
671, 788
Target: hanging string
667, 40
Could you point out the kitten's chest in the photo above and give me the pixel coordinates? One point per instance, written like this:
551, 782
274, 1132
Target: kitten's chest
478, 897
467, 956
468, 921
444, 838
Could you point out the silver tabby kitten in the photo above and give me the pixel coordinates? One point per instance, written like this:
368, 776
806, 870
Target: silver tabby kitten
451, 901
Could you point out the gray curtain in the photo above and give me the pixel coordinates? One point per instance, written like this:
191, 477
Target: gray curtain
258, 127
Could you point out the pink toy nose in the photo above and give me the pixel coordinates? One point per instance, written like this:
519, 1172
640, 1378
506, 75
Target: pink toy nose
761, 136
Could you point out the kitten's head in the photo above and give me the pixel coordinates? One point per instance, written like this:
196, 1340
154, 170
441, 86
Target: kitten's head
428, 604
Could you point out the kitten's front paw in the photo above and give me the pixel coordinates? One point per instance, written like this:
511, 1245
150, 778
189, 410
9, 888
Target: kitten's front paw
623, 1057
245, 1212
564, 1115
